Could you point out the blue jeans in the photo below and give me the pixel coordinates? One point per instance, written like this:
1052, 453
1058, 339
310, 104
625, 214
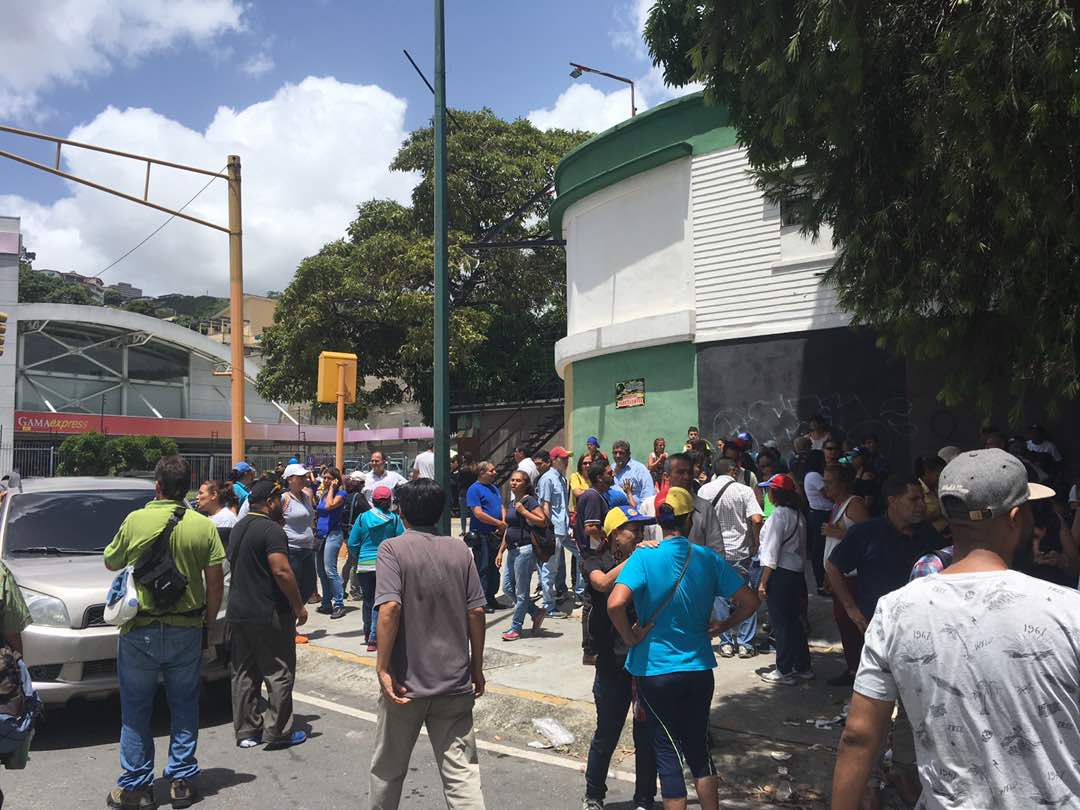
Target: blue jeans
565, 542
333, 589
371, 617
549, 573
747, 630
522, 563
785, 589
143, 654
484, 553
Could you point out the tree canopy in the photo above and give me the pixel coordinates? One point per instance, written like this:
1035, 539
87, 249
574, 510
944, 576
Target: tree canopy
371, 292
940, 140
40, 288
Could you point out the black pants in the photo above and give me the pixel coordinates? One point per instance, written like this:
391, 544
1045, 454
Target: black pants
366, 580
815, 541
677, 706
785, 590
347, 572
613, 693
263, 653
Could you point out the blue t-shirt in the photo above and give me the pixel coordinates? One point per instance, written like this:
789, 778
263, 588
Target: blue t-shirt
487, 497
329, 520
552, 488
241, 491
679, 641
616, 497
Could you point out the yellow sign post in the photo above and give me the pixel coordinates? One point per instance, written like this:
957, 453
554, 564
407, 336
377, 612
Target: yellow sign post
337, 383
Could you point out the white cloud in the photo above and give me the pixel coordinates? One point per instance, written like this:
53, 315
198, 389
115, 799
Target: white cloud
63, 41
257, 65
630, 21
310, 154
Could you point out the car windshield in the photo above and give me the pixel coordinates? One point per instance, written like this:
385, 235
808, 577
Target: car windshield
68, 522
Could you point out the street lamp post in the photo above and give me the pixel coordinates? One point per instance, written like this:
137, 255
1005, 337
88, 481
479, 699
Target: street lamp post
441, 364
579, 69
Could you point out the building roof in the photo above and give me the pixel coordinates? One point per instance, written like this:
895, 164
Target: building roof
681, 127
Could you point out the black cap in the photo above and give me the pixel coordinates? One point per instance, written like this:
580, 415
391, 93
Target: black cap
262, 492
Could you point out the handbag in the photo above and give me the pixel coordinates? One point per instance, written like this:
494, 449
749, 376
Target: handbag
122, 601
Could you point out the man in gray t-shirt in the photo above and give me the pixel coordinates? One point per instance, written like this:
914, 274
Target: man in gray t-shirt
431, 652
985, 659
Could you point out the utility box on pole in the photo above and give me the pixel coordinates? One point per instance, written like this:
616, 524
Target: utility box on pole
337, 383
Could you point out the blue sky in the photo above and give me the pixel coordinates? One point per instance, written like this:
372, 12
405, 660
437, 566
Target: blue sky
315, 96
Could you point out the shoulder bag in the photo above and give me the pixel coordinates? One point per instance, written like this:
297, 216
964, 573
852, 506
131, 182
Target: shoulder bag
542, 539
156, 570
674, 588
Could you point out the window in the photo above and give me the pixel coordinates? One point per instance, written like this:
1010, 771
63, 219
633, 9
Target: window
791, 208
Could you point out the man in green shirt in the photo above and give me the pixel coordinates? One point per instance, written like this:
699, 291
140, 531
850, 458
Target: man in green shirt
165, 642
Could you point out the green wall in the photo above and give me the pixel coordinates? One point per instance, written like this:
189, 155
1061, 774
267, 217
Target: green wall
671, 403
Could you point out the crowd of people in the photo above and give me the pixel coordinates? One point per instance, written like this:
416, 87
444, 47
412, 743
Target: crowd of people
663, 558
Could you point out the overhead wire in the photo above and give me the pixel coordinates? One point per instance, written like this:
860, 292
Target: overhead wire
156, 230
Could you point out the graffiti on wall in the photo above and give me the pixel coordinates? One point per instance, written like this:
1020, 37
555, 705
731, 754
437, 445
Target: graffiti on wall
782, 418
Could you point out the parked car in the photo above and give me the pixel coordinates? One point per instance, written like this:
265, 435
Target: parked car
52, 538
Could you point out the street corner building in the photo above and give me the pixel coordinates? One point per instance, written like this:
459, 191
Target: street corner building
694, 300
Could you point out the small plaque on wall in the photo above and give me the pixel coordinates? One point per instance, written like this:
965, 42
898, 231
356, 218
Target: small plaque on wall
630, 393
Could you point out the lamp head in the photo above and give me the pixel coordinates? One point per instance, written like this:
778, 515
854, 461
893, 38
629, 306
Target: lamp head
575, 73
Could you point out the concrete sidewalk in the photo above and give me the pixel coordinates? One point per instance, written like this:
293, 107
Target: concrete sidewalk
757, 728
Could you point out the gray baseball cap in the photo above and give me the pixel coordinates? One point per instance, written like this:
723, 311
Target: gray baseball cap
985, 484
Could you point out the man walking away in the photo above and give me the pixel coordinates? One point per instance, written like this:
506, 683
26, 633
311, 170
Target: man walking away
732, 522
430, 661
264, 611
983, 657
424, 463
166, 642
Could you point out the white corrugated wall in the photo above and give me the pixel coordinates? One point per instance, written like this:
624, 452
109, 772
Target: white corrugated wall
749, 277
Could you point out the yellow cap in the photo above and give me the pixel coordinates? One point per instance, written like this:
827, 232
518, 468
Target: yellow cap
679, 501
619, 516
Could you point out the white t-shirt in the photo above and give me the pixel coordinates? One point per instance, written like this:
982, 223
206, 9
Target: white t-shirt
987, 667
783, 540
733, 511
814, 486
424, 464
647, 507
225, 519
389, 478
528, 466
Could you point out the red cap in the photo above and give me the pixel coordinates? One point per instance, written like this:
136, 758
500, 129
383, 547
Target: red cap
559, 452
780, 481
382, 494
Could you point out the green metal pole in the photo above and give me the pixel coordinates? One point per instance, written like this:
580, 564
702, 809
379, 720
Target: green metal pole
442, 302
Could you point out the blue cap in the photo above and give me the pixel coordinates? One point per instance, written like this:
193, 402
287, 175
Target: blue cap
294, 460
593, 440
243, 467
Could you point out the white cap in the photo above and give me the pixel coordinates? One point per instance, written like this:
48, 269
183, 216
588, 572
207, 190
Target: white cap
294, 469
357, 475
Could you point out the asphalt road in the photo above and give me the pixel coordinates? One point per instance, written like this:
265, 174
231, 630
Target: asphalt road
74, 763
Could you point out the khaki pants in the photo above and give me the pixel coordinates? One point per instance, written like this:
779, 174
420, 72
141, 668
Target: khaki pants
263, 653
449, 724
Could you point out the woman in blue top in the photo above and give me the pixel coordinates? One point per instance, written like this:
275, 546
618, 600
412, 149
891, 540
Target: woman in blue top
328, 540
368, 532
673, 588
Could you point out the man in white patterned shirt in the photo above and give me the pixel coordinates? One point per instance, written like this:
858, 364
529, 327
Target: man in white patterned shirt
732, 521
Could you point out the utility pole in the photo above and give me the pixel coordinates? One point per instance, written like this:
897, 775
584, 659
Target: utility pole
236, 309
441, 364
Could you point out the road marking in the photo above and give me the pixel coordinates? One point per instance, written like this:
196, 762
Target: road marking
483, 745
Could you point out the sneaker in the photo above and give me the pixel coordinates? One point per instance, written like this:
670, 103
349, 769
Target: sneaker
138, 799
301, 639
511, 635
249, 742
295, 738
592, 804
488, 608
775, 676
558, 614
845, 678
371, 647
182, 793
314, 599
588, 660
747, 652
727, 650
804, 675
538, 620
338, 613
326, 610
